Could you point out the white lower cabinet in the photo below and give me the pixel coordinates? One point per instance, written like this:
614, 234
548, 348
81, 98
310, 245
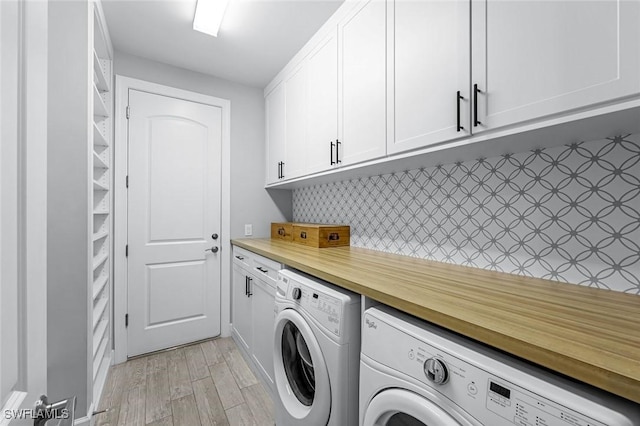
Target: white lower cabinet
263, 297
241, 308
252, 312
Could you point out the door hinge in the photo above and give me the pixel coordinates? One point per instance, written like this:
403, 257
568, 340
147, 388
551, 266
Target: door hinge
126, 181
126, 320
128, 112
126, 250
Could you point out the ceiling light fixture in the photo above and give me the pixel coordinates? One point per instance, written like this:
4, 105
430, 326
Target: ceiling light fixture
209, 14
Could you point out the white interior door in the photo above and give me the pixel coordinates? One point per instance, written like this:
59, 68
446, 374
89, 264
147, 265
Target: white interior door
173, 214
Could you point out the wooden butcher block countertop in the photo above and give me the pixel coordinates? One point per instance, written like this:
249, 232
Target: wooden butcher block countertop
589, 334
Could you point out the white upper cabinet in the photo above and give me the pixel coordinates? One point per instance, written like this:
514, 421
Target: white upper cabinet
295, 123
536, 58
429, 74
275, 123
362, 83
388, 76
322, 113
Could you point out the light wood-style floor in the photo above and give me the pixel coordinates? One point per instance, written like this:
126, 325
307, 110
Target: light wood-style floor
203, 384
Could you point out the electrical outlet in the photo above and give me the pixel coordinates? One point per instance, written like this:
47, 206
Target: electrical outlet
248, 230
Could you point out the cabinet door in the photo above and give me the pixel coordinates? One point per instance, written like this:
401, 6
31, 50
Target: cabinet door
536, 58
296, 123
241, 307
362, 83
429, 53
275, 123
263, 319
322, 84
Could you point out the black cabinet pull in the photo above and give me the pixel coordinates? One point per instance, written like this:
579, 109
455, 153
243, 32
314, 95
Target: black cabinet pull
475, 105
334, 236
278, 169
249, 279
261, 269
458, 98
282, 170
332, 145
303, 235
239, 257
338, 161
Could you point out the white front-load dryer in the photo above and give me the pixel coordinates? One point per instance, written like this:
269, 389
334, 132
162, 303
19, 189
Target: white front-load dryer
316, 352
413, 373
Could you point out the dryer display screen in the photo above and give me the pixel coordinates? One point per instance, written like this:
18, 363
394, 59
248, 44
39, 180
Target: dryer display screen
500, 390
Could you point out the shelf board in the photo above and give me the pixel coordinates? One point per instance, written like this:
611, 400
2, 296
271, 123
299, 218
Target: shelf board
99, 109
97, 261
99, 285
99, 235
101, 355
101, 80
101, 212
100, 187
99, 162
98, 138
99, 335
99, 310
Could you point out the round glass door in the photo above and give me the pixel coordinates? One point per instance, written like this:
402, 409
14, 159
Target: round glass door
298, 364
300, 371
403, 419
399, 407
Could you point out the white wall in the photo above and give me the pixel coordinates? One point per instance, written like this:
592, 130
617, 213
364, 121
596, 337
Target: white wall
250, 202
68, 191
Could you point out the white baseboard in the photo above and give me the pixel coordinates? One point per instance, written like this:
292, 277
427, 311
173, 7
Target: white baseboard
86, 420
13, 403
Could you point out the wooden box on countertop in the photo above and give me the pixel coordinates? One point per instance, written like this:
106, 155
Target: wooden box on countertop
282, 231
311, 234
321, 236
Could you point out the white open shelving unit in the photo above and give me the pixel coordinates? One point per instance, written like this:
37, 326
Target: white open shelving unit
100, 279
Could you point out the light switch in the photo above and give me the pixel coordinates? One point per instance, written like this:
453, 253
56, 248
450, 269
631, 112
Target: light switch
248, 230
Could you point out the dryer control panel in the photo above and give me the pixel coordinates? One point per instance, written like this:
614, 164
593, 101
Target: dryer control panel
487, 385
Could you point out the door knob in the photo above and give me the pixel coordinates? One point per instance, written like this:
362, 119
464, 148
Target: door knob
214, 236
213, 249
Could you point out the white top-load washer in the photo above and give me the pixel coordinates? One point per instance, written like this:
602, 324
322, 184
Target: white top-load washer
413, 373
316, 352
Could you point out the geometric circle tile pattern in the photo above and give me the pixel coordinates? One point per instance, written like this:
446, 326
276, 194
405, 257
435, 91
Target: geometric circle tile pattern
569, 213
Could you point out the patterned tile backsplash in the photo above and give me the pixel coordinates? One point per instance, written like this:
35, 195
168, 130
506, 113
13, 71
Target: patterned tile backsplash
569, 213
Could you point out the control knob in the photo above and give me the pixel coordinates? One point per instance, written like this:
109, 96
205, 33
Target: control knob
436, 370
297, 293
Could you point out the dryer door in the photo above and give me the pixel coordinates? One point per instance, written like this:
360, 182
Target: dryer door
398, 407
301, 375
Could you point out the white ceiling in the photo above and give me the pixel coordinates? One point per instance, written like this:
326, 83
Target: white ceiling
256, 39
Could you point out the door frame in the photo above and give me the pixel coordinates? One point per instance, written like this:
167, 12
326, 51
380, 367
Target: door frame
120, 223
28, 163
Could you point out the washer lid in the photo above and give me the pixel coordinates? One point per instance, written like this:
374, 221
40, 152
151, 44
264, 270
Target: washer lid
399, 407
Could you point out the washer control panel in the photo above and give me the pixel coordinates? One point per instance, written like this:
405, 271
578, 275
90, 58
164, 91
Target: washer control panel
326, 309
492, 392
